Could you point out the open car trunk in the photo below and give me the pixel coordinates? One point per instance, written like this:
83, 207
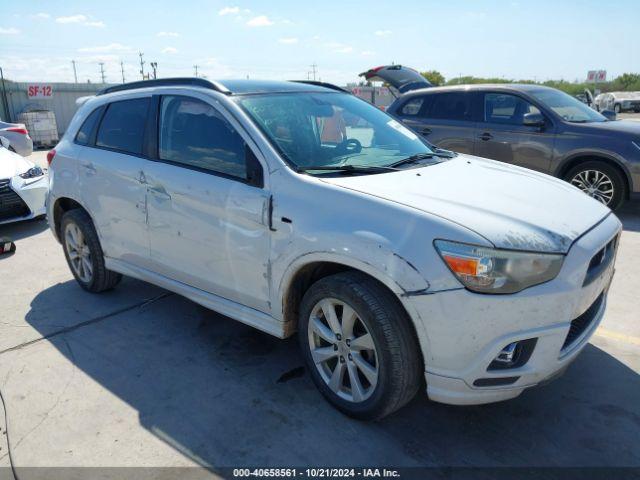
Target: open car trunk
401, 78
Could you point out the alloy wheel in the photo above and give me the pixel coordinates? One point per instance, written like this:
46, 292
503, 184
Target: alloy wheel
343, 350
596, 184
79, 252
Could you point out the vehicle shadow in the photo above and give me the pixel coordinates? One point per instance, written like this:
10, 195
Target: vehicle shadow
225, 394
629, 215
19, 230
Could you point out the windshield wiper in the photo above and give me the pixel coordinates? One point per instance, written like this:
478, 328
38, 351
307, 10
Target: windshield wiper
347, 168
421, 156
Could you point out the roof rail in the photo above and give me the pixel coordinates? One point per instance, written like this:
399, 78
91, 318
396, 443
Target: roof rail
168, 82
322, 84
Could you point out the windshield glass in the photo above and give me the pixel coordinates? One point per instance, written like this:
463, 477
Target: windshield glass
331, 129
569, 108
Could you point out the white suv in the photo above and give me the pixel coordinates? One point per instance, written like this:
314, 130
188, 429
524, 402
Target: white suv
295, 206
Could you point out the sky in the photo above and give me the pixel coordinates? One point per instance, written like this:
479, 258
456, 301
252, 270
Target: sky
282, 39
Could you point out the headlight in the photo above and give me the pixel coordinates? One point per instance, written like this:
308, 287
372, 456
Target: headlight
32, 173
489, 270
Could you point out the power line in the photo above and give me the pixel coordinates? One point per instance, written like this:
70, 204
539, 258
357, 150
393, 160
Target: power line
75, 73
102, 72
313, 70
142, 62
195, 67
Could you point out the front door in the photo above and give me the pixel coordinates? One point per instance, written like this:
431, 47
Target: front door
206, 203
502, 136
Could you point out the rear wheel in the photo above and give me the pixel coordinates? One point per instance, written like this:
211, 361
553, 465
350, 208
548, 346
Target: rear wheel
84, 254
359, 345
600, 181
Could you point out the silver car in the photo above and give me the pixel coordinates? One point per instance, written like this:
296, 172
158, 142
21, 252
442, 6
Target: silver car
18, 136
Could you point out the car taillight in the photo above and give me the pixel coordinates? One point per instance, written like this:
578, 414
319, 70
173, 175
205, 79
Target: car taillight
21, 131
50, 154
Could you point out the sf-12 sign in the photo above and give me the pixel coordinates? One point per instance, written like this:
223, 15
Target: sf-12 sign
39, 91
597, 76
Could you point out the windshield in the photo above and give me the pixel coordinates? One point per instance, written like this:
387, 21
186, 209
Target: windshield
569, 108
331, 129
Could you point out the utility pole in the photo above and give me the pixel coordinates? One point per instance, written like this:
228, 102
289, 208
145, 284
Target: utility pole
313, 70
195, 67
102, 72
75, 73
122, 70
142, 62
154, 65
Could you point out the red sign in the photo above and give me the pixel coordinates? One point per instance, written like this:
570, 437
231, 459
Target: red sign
39, 91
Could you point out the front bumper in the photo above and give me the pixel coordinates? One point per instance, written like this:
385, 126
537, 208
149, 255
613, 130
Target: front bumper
464, 331
23, 199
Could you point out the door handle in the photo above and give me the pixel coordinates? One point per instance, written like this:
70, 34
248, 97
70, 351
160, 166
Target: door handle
425, 131
485, 136
159, 192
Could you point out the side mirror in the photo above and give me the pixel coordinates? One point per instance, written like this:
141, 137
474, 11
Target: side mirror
533, 120
5, 142
609, 115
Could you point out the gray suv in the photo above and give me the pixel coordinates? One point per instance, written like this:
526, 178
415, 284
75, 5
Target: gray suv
527, 125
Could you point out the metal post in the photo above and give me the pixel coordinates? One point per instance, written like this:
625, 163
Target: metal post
141, 65
102, 72
122, 70
75, 73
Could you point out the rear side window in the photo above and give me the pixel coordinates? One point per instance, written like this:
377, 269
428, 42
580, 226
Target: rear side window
122, 127
506, 109
193, 133
451, 106
412, 107
83, 137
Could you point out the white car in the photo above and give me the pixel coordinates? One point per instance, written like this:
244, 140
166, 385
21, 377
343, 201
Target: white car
23, 187
295, 206
618, 102
18, 136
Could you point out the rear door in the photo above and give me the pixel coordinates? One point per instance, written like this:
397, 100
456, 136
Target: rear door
502, 135
207, 205
110, 165
444, 119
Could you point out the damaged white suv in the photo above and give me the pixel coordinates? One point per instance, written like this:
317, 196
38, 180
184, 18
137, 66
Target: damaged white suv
295, 206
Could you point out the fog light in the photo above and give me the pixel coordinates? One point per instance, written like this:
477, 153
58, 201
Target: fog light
507, 353
514, 355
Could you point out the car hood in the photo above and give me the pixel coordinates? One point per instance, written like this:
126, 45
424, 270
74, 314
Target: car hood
607, 128
512, 207
12, 164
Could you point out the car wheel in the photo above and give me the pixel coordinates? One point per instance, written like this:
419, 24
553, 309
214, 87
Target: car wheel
600, 181
84, 254
359, 345
617, 108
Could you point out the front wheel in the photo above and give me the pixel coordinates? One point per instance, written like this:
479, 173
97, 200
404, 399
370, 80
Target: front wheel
600, 181
359, 346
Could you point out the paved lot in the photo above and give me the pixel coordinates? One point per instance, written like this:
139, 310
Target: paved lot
138, 376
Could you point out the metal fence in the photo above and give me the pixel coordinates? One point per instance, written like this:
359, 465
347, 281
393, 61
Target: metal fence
62, 101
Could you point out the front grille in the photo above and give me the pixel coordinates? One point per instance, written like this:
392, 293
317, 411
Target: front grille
11, 205
580, 324
600, 261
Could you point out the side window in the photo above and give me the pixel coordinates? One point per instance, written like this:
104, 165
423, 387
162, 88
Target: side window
193, 133
412, 107
122, 127
451, 106
506, 109
83, 137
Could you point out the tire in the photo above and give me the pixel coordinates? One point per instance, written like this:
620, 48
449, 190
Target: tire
614, 175
617, 108
97, 278
396, 355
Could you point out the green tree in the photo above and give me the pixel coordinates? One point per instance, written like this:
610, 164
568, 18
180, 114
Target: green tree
434, 77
